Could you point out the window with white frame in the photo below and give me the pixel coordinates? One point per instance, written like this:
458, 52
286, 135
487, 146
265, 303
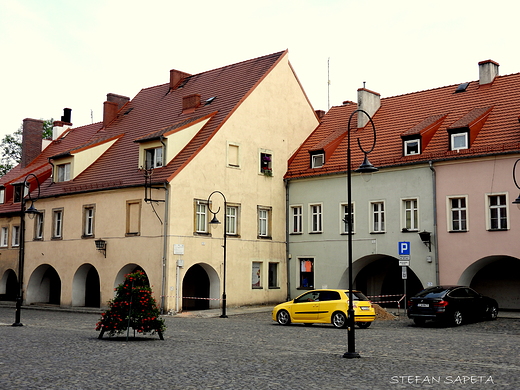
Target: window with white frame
347, 217
232, 220
316, 218
317, 160
201, 217
306, 273
57, 223
458, 218
256, 275
497, 212
459, 141
233, 155
2, 194
154, 158
38, 226
63, 172
4, 236
264, 222
88, 220
16, 236
378, 217
273, 275
17, 193
266, 163
412, 146
296, 219
133, 217
410, 215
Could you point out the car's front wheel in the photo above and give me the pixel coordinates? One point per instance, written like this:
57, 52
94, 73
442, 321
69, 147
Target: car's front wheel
492, 312
363, 325
283, 317
339, 319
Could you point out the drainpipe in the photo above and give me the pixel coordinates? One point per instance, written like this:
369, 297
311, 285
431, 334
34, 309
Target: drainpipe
436, 243
287, 253
165, 246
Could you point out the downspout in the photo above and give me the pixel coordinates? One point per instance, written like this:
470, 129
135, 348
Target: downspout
165, 246
287, 253
436, 243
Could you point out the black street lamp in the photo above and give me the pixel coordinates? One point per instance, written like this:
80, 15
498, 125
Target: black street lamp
366, 167
214, 222
21, 253
517, 200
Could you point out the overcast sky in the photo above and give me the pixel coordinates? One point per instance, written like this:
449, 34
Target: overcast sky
71, 53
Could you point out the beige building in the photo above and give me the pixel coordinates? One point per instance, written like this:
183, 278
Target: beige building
139, 183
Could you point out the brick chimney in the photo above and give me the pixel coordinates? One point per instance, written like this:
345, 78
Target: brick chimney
487, 71
369, 102
32, 131
190, 103
112, 106
176, 78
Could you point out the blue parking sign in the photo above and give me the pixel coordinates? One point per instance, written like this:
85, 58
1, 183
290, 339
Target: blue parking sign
403, 248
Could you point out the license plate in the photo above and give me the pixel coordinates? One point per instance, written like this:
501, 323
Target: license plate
364, 308
423, 305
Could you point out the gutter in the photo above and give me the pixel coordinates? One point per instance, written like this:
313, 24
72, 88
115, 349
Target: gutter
287, 253
165, 246
436, 243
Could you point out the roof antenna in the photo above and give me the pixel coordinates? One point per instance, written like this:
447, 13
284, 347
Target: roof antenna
328, 83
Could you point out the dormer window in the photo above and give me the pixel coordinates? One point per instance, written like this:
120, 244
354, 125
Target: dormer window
317, 160
17, 193
412, 146
2, 195
459, 141
153, 158
63, 172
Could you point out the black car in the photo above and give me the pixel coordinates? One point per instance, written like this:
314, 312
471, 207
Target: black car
452, 305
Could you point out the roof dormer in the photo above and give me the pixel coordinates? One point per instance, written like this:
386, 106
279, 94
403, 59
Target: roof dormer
464, 131
416, 139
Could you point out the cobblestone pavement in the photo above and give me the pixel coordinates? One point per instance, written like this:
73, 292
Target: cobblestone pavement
60, 350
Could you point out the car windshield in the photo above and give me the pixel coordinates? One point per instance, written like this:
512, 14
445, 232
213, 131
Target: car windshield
433, 292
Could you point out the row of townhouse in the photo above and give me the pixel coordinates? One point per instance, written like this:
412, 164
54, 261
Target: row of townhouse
444, 187
139, 189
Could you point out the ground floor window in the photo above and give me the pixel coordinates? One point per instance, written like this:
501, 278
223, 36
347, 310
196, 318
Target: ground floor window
256, 275
306, 273
273, 275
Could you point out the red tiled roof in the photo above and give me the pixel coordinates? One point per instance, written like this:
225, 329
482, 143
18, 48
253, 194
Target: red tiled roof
152, 112
492, 110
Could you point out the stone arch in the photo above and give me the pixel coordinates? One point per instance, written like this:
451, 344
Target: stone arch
497, 277
86, 290
8, 286
200, 288
127, 269
44, 286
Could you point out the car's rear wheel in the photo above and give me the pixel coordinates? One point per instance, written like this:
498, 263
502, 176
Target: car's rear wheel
456, 318
492, 312
419, 321
363, 325
283, 317
339, 319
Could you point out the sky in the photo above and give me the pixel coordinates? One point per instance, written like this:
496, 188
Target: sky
72, 53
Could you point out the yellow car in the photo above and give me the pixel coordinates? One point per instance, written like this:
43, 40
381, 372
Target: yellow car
324, 307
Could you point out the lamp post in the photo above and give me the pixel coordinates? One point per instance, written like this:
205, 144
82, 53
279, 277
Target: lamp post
365, 167
517, 200
21, 252
214, 222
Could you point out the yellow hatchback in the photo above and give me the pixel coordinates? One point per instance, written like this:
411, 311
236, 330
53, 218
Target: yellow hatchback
324, 307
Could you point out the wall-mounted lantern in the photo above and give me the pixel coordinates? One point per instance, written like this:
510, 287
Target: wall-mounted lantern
101, 245
426, 239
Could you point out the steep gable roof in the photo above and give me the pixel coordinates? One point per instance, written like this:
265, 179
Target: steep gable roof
490, 112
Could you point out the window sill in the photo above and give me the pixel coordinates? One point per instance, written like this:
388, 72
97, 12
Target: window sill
87, 236
273, 288
315, 232
132, 234
457, 231
304, 288
264, 237
348, 234
405, 230
377, 232
257, 288
497, 230
296, 234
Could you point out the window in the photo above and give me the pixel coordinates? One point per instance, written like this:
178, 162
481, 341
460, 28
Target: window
264, 222
273, 275
317, 160
233, 156
201, 217
63, 172
57, 223
2, 194
232, 220
88, 221
16, 236
378, 217
316, 218
306, 273
410, 215
133, 217
412, 146
266, 164
347, 214
458, 214
153, 158
459, 141
4, 236
38, 226
17, 195
296, 219
256, 276
497, 212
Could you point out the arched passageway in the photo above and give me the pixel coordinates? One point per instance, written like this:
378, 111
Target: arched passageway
8, 286
44, 286
195, 289
86, 289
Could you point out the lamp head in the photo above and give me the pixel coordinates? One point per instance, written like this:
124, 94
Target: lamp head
517, 202
214, 222
366, 169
